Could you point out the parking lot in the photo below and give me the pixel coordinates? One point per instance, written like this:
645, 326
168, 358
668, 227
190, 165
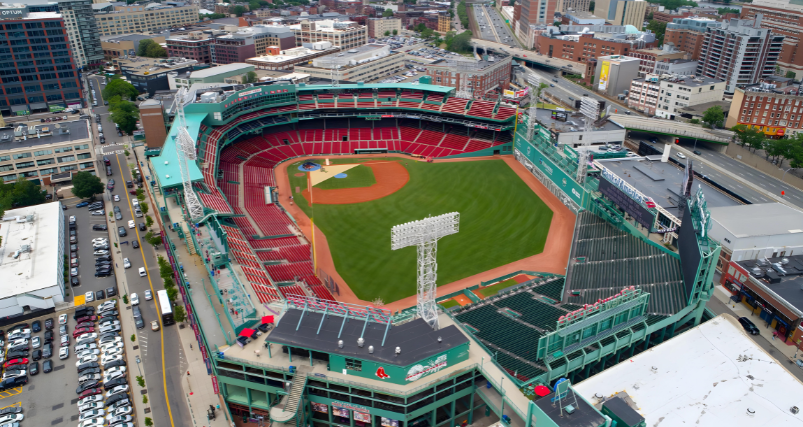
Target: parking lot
84, 235
49, 398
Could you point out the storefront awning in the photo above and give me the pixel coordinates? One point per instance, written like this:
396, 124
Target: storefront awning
770, 300
38, 106
17, 108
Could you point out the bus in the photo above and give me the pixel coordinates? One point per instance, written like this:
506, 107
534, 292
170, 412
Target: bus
165, 308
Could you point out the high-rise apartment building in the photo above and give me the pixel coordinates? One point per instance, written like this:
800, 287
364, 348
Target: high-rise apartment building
79, 18
573, 6
784, 17
115, 18
739, 52
38, 72
688, 34
622, 12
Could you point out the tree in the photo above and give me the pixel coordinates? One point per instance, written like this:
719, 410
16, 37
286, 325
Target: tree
541, 87
790, 74
125, 114
591, 6
749, 137
85, 185
148, 221
142, 49
395, 32
121, 88
387, 33
179, 314
387, 13
237, 10
211, 16
156, 51
460, 42
144, 208
556, 24
714, 116
725, 10
658, 28
153, 239
23, 193
172, 293
250, 77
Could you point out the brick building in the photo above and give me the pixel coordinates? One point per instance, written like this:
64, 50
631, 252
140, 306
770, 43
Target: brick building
670, 15
649, 57
480, 76
194, 45
773, 106
582, 47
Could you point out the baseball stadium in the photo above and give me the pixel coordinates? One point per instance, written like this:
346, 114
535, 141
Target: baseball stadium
558, 269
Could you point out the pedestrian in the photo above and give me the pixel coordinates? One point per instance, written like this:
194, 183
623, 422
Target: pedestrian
190, 346
188, 373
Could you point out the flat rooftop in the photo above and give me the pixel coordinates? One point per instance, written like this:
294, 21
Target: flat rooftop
776, 219
708, 376
664, 192
79, 132
416, 339
37, 269
574, 120
788, 286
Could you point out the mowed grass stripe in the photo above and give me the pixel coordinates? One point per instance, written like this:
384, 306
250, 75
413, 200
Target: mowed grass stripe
358, 176
502, 221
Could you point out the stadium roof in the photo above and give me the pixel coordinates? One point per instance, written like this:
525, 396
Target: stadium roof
166, 164
379, 86
710, 375
416, 339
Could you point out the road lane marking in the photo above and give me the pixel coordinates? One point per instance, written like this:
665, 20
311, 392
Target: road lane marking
155, 304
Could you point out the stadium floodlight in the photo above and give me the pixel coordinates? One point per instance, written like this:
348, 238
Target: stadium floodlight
185, 149
424, 235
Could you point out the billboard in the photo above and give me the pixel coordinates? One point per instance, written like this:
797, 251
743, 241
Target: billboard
632, 207
689, 251
604, 74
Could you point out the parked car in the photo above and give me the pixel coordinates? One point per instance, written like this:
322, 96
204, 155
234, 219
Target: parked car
749, 326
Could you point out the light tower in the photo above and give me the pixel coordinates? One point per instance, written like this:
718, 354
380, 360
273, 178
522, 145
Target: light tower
185, 148
424, 235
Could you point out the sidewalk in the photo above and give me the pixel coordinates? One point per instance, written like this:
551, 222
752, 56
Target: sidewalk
738, 309
196, 384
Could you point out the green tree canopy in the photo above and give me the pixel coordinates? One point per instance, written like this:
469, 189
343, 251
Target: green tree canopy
395, 32
237, 10
20, 193
85, 185
460, 43
121, 88
658, 28
724, 10
387, 13
749, 137
790, 74
125, 114
714, 116
179, 314
142, 49
387, 33
250, 77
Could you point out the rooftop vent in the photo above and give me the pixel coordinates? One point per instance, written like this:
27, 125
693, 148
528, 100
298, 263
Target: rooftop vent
340, 343
360, 342
751, 412
398, 350
371, 349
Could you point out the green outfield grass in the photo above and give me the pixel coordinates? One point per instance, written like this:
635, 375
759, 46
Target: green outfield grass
358, 176
501, 221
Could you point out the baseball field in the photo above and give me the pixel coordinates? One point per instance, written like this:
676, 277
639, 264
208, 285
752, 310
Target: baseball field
357, 201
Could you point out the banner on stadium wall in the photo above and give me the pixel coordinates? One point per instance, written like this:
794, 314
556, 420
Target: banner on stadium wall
604, 74
516, 94
566, 183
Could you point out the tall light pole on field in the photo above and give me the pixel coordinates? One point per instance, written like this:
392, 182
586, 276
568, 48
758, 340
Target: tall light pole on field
424, 235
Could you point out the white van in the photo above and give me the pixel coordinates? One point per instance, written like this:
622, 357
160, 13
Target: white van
142, 272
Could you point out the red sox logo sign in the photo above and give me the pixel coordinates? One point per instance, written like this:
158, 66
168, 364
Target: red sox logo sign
381, 373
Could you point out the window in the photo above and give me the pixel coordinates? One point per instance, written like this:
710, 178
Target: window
23, 165
354, 364
22, 156
82, 147
42, 152
63, 150
66, 159
68, 168
84, 156
5, 168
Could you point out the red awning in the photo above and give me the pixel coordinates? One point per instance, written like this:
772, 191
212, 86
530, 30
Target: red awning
247, 332
267, 319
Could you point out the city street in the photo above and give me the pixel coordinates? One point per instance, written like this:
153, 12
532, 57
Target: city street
492, 27
162, 365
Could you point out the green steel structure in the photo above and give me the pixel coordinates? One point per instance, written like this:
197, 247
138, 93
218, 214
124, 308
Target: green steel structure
323, 363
